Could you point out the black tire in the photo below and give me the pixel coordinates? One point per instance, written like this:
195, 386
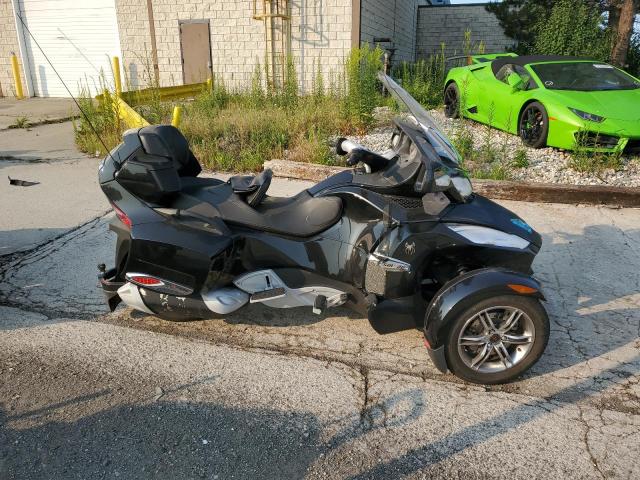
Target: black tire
534, 316
533, 125
452, 101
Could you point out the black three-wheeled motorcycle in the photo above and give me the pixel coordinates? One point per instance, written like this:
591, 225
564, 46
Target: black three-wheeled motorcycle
400, 238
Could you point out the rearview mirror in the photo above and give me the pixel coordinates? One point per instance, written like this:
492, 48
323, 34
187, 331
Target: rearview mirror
515, 81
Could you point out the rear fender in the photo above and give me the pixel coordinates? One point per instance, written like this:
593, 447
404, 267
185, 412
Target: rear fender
465, 290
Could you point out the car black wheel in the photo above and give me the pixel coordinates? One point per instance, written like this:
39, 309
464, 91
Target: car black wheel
497, 339
452, 101
533, 126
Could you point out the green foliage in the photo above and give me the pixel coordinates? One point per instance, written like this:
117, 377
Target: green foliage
362, 86
584, 159
102, 115
21, 122
519, 20
573, 28
633, 56
240, 136
520, 159
423, 79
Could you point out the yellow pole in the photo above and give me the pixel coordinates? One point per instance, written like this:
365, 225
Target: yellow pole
116, 75
16, 76
177, 116
209, 84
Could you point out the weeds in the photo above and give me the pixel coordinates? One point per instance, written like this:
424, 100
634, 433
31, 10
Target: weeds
520, 159
587, 160
424, 79
21, 122
101, 115
362, 94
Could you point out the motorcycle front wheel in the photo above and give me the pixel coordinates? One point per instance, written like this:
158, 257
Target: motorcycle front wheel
497, 339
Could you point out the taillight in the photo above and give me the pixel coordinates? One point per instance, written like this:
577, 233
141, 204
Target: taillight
146, 280
122, 216
158, 284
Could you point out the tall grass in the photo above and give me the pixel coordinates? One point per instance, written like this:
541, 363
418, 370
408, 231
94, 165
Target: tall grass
424, 79
239, 130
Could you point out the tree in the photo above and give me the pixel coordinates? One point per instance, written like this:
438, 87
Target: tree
573, 28
621, 20
519, 18
522, 21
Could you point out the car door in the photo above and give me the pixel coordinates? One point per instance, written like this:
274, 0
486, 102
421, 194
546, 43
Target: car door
501, 102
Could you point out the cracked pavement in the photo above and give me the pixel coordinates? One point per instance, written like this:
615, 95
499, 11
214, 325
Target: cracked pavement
265, 393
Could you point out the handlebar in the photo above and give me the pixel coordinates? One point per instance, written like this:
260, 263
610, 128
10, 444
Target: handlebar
357, 153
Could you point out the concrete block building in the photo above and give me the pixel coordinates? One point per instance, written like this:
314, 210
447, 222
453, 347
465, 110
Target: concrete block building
68, 44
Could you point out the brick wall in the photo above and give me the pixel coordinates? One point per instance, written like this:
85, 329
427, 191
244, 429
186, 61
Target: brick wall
320, 31
448, 23
8, 44
394, 19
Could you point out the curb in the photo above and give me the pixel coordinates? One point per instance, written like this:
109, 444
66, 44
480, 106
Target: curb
496, 189
45, 121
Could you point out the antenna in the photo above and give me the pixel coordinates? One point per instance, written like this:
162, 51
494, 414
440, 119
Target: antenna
86, 117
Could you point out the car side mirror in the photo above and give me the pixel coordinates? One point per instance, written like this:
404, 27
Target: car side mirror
515, 81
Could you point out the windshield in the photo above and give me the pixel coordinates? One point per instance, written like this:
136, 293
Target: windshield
406, 102
583, 76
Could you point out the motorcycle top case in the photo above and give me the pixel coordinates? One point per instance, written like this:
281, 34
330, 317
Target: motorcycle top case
151, 162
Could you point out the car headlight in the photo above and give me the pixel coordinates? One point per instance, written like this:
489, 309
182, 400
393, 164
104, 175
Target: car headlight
488, 236
587, 116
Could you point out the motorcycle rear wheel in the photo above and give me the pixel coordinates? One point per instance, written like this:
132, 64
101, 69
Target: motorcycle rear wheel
497, 339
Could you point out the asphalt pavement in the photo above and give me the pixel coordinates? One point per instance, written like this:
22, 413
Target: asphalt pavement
265, 393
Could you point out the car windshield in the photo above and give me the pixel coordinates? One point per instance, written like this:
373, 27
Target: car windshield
434, 135
583, 76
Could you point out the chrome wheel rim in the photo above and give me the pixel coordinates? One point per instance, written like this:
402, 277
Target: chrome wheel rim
496, 339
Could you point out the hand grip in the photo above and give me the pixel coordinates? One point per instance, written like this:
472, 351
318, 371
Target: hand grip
345, 147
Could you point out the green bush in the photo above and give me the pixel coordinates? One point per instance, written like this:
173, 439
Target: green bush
423, 79
573, 28
362, 87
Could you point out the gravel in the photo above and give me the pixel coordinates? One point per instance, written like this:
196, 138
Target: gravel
546, 165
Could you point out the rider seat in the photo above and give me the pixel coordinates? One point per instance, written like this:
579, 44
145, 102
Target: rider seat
301, 215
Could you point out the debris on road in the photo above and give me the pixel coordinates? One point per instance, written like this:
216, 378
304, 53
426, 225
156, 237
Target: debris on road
21, 183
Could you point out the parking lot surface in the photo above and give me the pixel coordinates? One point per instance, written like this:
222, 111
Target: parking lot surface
265, 393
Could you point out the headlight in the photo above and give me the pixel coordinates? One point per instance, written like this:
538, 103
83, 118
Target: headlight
587, 116
462, 185
488, 236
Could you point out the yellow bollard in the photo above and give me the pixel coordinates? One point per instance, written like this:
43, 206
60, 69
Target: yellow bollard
177, 115
209, 84
16, 76
116, 75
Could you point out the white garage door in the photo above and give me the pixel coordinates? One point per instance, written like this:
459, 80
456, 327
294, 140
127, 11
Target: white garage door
79, 38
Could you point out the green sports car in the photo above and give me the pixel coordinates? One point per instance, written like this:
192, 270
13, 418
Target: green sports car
557, 101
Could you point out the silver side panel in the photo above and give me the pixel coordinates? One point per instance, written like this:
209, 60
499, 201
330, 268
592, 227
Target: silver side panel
130, 295
262, 280
225, 300
377, 268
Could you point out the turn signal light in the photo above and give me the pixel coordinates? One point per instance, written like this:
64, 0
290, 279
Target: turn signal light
122, 216
523, 289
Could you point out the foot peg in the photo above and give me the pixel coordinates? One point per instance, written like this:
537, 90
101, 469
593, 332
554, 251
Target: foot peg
319, 304
267, 295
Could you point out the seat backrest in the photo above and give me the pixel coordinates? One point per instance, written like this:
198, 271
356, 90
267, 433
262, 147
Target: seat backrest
167, 141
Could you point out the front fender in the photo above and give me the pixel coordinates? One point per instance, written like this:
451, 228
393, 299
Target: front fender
460, 293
